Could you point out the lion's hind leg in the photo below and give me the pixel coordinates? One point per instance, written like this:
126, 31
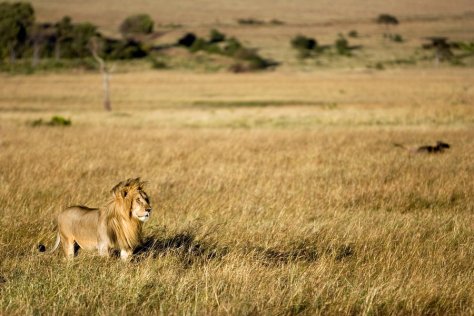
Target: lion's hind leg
68, 247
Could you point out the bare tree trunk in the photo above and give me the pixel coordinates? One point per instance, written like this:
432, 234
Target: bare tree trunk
12, 53
36, 54
105, 76
57, 50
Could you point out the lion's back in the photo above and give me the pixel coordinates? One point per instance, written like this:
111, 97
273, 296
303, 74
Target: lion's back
74, 217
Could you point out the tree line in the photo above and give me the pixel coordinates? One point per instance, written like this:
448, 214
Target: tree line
21, 36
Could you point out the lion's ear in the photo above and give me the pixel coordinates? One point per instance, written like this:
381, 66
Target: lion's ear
124, 193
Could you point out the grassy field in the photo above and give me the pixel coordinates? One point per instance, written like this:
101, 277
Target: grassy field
274, 193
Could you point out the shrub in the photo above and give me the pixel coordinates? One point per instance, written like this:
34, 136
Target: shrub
250, 21
256, 62
342, 46
54, 121
246, 59
301, 42
353, 34
276, 22
232, 46
136, 25
157, 63
306, 46
467, 47
397, 38
216, 37
198, 44
187, 40
126, 49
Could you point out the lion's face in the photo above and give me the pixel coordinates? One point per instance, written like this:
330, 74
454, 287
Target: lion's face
141, 208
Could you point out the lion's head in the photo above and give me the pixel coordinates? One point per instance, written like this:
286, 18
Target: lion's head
133, 200
129, 209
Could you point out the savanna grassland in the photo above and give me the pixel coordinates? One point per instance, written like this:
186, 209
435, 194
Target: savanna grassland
274, 193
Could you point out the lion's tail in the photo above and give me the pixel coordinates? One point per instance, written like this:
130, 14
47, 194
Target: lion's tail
42, 248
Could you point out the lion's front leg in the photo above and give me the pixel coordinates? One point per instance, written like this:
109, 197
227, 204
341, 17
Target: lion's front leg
103, 249
103, 240
125, 254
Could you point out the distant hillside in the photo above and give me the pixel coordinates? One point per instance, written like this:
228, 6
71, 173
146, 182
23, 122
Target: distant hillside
109, 13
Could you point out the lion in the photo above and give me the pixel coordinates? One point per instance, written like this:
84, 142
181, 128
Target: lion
116, 226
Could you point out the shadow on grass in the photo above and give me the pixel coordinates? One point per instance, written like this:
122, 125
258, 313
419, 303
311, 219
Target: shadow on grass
183, 245
190, 250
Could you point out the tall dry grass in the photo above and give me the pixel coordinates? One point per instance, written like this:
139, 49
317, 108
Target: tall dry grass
266, 201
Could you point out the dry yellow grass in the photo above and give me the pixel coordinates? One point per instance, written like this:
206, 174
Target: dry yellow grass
277, 193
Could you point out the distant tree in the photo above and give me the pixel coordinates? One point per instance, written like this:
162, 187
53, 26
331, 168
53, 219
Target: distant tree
442, 48
43, 37
81, 36
64, 31
94, 48
139, 24
16, 20
387, 19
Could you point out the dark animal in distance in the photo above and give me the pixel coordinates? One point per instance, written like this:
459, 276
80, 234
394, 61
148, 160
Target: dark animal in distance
438, 148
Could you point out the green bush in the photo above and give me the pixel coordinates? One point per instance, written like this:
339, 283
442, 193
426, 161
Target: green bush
216, 37
54, 121
187, 40
306, 46
126, 49
342, 46
232, 46
136, 25
276, 22
301, 42
250, 21
397, 38
353, 34
157, 63
198, 44
246, 59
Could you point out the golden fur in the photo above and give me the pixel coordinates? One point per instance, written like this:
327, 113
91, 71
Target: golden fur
117, 225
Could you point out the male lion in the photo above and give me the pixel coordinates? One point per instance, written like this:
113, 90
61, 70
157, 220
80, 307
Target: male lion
117, 225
